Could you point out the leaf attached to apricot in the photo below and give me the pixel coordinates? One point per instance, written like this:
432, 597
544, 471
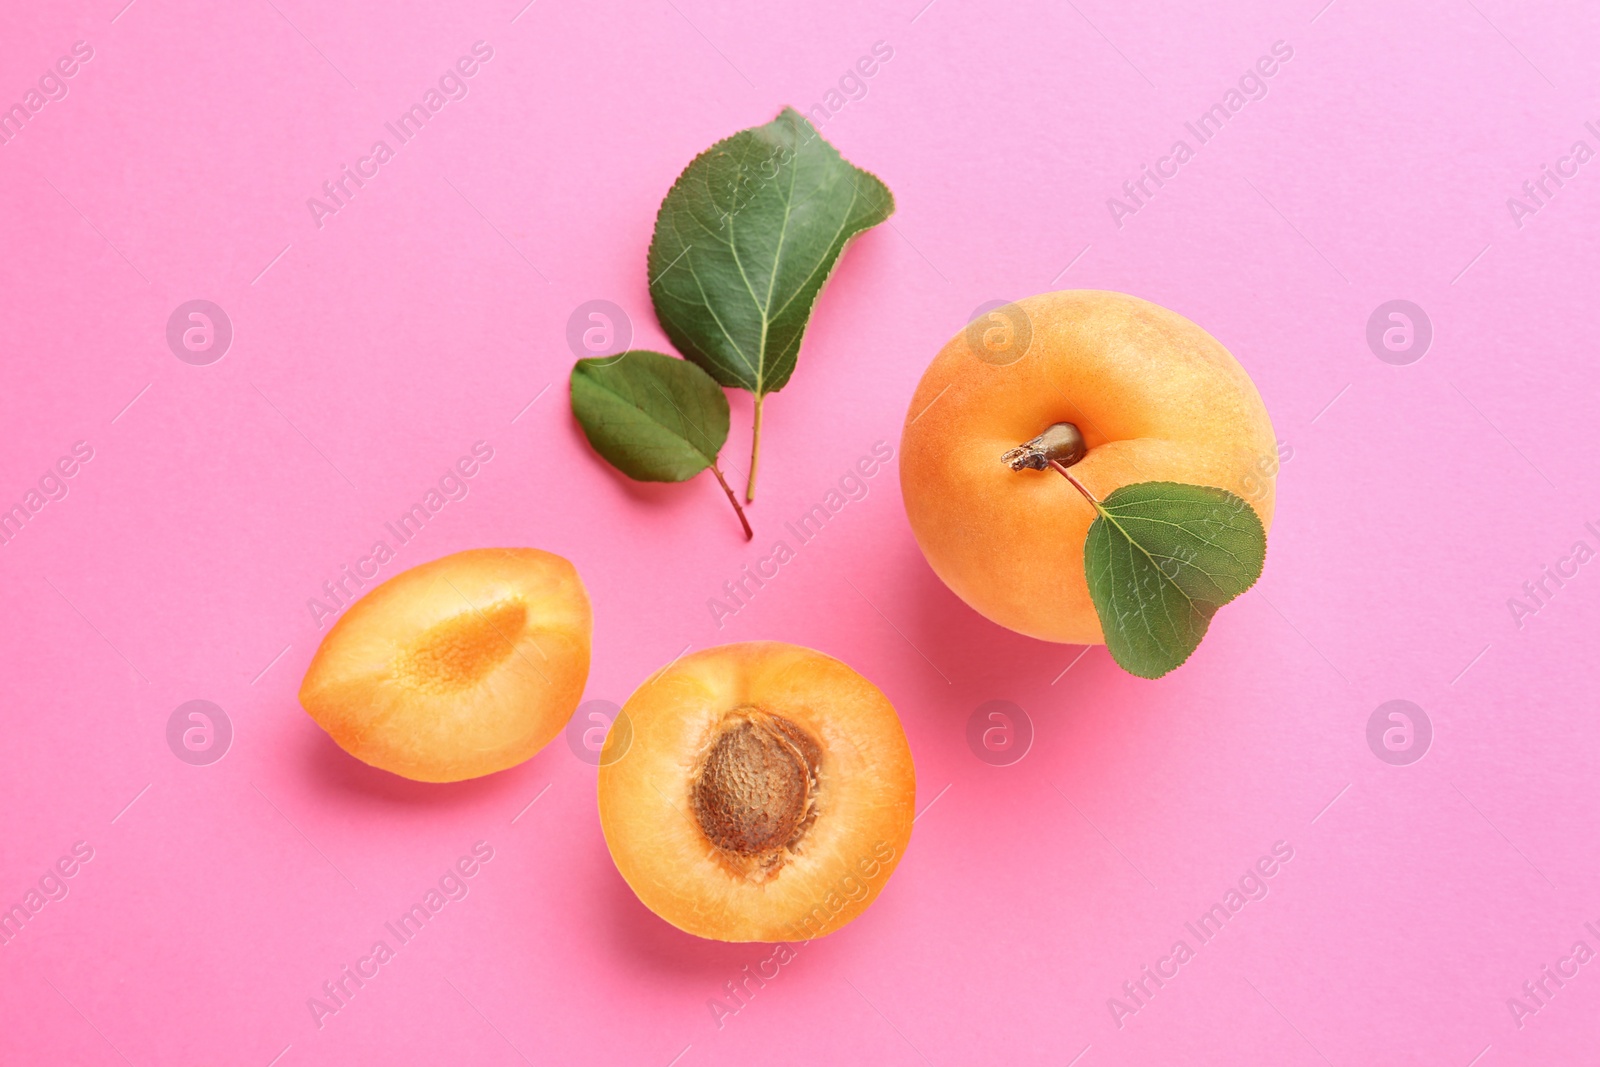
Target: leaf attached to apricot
1161, 558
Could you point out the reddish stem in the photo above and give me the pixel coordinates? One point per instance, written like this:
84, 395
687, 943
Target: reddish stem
1075, 483
749, 534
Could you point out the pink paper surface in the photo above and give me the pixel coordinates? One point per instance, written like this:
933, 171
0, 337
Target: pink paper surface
374, 345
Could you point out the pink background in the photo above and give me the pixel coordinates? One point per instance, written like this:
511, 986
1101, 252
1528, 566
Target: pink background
370, 353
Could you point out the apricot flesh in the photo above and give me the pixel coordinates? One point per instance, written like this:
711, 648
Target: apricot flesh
1155, 397
766, 793
456, 668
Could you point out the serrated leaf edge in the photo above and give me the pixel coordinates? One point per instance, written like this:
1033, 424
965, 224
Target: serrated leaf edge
1102, 512
834, 266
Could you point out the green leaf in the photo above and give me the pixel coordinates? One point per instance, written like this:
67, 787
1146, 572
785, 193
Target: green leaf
1161, 558
744, 242
653, 417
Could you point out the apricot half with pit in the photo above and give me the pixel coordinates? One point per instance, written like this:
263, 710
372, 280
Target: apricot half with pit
1119, 389
765, 793
456, 668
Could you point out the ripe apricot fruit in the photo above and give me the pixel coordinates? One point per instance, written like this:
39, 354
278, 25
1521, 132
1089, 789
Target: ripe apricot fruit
1146, 395
765, 793
456, 668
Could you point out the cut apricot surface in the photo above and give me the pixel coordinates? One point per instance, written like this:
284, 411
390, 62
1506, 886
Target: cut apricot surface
456, 668
765, 793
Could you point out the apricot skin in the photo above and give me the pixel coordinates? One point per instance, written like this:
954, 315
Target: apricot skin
1156, 399
864, 803
456, 668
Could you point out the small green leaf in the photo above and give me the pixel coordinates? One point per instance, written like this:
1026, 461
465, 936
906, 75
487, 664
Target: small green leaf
1161, 558
744, 241
653, 417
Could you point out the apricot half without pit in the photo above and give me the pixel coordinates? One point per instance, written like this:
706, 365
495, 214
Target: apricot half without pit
1116, 388
457, 668
765, 793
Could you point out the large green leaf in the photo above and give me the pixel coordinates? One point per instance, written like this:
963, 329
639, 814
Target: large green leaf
744, 242
653, 417
1161, 558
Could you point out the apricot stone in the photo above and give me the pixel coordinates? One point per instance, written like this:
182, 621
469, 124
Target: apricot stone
456, 668
765, 793
1154, 397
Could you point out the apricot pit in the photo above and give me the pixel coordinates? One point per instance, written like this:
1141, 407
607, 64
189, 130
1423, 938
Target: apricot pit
766, 793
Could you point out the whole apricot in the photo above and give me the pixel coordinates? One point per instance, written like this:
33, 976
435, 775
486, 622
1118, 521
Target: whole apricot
1117, 388
765, 793
456, 668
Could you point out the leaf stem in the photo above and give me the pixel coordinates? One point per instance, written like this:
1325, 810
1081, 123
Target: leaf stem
749, 534
1079, 486
755, 451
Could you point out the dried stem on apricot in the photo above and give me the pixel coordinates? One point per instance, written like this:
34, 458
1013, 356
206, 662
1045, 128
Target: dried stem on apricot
1060, 443
1059, 447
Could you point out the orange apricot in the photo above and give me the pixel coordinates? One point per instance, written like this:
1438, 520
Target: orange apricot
456, 668
760, 792
1149, 396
